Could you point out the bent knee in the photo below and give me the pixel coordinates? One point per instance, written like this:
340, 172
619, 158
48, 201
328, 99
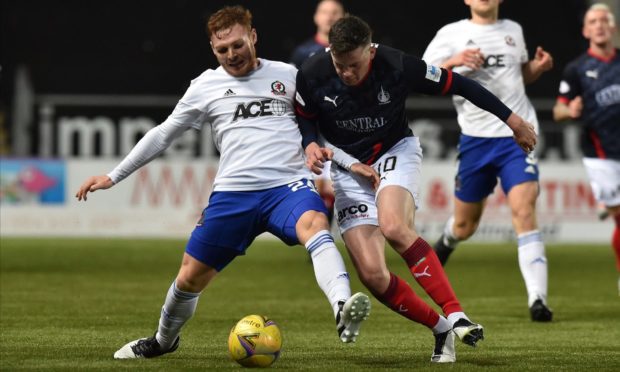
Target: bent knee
525, 215
194, 283
312, 222
189, 284
464, 230
394, 232
376, 280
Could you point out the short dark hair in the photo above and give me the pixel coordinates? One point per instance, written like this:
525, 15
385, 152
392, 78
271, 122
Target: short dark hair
228, 17
348, 34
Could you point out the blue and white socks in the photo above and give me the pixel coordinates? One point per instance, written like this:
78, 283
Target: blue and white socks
533, 264
177, 310
329, 269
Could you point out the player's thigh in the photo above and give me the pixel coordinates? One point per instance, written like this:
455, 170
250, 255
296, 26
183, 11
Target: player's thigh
476, 175
604, 175
355, 200
396, 211
395, 205
401, 166
517, 168
366, 247
227, 226
297, 212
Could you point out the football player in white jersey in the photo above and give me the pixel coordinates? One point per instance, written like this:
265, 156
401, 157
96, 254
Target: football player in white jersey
261, 184
492, 51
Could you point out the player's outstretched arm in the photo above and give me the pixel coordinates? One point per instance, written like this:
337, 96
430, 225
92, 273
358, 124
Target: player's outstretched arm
93, 184
524, 133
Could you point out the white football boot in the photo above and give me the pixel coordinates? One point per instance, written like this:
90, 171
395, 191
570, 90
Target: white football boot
469, 333
351, 315
444, 348
144, 348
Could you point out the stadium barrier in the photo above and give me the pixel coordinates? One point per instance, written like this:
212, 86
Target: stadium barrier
165, 199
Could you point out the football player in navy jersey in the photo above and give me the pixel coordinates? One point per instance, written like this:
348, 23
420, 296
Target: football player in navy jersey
354, 95
590, 91
246, 101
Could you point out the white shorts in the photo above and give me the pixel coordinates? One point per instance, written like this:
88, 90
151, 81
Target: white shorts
604, 177
355, 198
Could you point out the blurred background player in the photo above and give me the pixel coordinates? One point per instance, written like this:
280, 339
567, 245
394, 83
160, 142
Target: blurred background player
355, 96
246, 100
492, 51
590, 91
326, 14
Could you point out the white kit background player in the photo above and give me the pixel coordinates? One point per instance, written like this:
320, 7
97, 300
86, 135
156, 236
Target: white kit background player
493, 52
261, 184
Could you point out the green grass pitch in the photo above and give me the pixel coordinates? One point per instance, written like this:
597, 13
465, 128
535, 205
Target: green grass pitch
69, 304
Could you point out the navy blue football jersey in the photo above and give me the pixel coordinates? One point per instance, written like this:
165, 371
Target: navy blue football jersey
368, 119
597, 81
306, 50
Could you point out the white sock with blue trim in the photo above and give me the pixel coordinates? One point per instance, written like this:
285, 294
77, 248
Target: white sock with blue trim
329, 269
533, 264
177, 310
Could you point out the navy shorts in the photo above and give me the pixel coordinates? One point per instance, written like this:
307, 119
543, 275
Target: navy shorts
233, 219
483, 160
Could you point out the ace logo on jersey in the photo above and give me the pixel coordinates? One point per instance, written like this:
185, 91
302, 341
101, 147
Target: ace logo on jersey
278, 88
264, 107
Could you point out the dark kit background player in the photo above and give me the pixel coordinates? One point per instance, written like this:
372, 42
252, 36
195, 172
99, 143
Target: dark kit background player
355, 95
590, 92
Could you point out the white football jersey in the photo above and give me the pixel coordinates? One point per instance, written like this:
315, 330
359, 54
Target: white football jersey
253, 126
504, 49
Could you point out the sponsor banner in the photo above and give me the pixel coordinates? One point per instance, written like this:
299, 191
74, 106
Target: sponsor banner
32, 182
86, 127
166, 197
566, 208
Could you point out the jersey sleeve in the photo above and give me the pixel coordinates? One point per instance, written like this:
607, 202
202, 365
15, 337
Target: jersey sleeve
438, 50
425, 78
156, 140
305, 111
297, 57
569, 85
341, 157
195, 95
523, 55
304, 106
